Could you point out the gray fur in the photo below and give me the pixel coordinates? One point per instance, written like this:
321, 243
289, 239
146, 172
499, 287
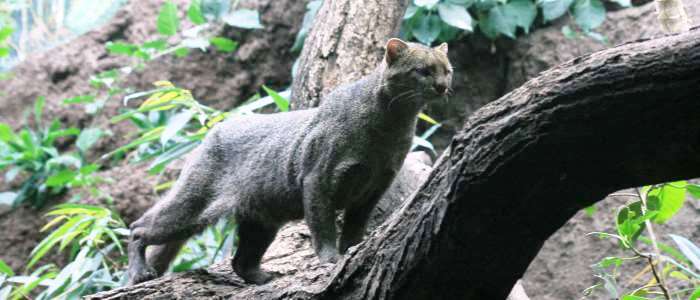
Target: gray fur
266, 170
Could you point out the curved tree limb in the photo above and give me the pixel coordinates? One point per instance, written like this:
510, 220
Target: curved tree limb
521, 167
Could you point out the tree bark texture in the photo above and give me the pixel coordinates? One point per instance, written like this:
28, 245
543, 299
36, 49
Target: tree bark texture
520, 168
345, 43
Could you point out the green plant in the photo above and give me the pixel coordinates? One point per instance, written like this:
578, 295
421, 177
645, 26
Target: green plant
442, 20
33, 154
656, 204
177, 42
210, 246
93, 237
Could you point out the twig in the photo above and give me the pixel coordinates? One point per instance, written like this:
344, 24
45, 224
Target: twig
652, 237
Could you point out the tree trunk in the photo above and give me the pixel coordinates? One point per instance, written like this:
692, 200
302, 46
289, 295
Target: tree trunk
345, 43
519, 169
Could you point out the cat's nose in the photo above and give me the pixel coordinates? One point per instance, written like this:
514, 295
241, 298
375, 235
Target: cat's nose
440, 88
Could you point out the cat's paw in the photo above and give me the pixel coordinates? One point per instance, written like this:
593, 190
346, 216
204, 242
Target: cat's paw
141, 275
329, 255
257, 277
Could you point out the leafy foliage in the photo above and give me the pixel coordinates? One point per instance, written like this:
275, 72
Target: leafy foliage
655, 204
93, 236
430, 21
33, 155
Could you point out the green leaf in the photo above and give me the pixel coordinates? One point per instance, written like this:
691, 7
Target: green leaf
568, 32
243, 18
630, 221
282, 103
175, 124
456, 16
695, 295
39, 109
61, 178
426, 3
159, 44
693, 189
427, 29
632, 297
609, 261
182, 52
6, 134
690, 250
590, 210
5, 269
87, 138
522, 13
194, 12
667, 200
552, 9
121, 48
4, 51
589, 14
5, 33
80, 99
223, 44
168, 23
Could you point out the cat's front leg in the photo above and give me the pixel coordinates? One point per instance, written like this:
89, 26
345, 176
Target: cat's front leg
319, 213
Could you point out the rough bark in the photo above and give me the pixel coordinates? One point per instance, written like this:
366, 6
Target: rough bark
345, 43
519, 169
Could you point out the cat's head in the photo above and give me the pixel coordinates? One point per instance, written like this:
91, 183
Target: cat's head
422, 69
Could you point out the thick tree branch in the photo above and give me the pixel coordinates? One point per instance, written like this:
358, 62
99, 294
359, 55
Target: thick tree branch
519, 169
526, 163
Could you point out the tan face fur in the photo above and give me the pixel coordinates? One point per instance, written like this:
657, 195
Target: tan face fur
414, 66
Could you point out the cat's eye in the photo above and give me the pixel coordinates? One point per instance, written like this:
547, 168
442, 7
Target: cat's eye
423, 71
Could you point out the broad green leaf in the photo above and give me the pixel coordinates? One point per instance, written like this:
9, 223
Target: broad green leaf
181, 52
61, 178
522, 13
630, 221
427, 29
194, 13
589, 14
456, 16
121, 48
667, 200
590, 210
690, 250
175, 124
5, 269
80, 99
168, 22
410, 12
4, 51
568, 32
243, 18
5, 32
87, 138
552, 9
223, 44
695, 295
633, 297
159, 44
282, 103
693, 189
39, 109
679, 275
425, 3
6, 134
609, 261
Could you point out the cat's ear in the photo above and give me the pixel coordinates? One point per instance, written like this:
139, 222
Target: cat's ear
442, 48
394, 49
